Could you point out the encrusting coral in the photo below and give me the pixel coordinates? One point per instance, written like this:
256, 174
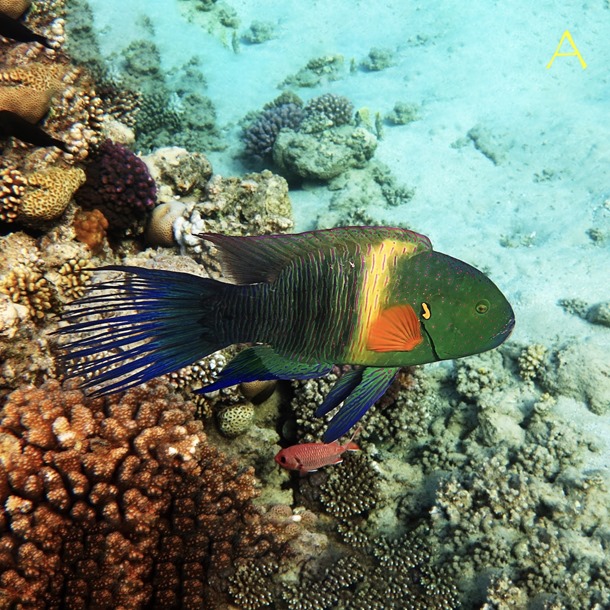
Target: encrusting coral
14, 8
120, 502
48, 193
37, 197
28, 90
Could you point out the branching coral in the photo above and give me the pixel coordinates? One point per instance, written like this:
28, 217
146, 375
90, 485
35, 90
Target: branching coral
119, 503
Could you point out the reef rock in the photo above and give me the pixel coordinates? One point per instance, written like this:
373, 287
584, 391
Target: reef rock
323, 155
580, 371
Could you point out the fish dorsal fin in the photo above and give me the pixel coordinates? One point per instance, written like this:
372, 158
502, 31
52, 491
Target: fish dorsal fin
396, 329
254, 259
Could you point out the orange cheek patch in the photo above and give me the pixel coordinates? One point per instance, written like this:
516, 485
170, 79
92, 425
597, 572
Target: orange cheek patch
396, 329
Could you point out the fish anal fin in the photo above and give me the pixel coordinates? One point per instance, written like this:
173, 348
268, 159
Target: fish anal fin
396, 329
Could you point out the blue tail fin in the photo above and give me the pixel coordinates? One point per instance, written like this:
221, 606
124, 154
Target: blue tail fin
152, 322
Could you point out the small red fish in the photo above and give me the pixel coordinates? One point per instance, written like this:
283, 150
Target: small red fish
308, 457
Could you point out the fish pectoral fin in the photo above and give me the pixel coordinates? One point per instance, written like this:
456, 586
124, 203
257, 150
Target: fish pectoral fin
262, 363
340, 391
396, 329
375, 381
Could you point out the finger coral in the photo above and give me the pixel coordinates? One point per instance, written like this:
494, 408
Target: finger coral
260, 135
119, 503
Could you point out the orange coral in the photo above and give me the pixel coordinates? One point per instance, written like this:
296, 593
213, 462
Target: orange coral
119, 502
90, 227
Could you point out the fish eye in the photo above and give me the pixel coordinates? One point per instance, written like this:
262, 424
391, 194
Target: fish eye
482, 306
283, 459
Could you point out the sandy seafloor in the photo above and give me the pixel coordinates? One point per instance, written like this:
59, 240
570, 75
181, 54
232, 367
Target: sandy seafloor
464, 64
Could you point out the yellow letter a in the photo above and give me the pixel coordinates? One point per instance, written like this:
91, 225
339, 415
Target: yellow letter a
576, 52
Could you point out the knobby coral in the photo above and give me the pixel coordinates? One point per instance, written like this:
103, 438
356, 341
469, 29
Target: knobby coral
119, 185
119, 503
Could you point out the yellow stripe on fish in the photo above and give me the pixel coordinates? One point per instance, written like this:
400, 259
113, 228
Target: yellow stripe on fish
378, 264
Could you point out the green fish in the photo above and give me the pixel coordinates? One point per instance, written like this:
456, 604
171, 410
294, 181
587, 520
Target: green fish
378, 298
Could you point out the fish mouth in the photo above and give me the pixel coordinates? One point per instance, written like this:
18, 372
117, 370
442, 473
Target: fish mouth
504, 333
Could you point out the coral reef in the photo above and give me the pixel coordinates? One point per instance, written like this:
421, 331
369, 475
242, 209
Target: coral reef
258, 203
316, 71
316, 141
259, 32
260, 135
363, 196
36, 277
323, 155
89, 490
378, 59
119, 185
90, 228
403, 113
582, 372
178, 172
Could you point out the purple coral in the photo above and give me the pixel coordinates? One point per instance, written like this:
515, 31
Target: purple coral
259, 137
119, 185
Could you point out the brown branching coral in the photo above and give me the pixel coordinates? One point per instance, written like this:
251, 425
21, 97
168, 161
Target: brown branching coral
119, 503
12, 187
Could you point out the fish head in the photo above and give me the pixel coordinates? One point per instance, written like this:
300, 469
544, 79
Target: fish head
461, 311
286, 459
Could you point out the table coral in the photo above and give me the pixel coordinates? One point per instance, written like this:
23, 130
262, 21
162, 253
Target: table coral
120, 503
